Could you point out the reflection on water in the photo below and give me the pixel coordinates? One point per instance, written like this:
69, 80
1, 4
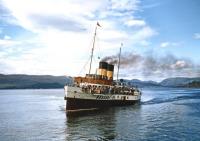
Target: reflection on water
164, 114
99, 124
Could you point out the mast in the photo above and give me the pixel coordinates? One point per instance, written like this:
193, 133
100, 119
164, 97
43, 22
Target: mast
119, 61
95, 32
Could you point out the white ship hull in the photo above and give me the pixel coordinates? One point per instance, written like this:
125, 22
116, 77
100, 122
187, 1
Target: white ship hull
78, 100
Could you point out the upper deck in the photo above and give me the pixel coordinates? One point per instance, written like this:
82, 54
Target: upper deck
92, 80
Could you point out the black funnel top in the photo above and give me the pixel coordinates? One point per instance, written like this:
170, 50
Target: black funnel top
103, 65
110, 67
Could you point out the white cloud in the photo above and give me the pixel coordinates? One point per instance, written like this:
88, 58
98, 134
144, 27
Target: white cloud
6, 37
164, 44
170, 44
135, 23
153, 5
7, 42
144, 33
119, 8
197, 36
125, 4
63, 32
179, 64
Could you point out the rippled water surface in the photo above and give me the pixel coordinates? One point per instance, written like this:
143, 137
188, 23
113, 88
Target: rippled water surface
164, 114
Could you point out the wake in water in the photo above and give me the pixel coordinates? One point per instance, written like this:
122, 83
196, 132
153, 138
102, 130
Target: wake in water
159, 100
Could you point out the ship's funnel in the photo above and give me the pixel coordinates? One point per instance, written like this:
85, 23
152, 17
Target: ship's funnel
110, 70
103, 69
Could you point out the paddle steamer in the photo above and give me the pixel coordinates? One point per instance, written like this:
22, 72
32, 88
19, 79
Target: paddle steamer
99, 90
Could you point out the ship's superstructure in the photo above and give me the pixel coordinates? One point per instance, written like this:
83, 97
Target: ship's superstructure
99, 90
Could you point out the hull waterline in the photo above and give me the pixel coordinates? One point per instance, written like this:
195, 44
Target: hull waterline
75, 104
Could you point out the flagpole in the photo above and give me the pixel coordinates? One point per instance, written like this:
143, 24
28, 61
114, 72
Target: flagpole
92, 52
119, 61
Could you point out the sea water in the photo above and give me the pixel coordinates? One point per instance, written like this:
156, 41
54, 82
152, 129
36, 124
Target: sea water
167, 114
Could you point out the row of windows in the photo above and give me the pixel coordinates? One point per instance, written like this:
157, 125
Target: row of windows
119, 97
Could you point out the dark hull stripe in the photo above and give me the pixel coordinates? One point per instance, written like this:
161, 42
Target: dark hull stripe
73, 104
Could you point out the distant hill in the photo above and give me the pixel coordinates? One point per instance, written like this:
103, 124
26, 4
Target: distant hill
141, 84
178, 81
21, 81
169, 82
193, 84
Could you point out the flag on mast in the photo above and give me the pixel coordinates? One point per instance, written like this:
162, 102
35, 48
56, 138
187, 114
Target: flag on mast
98, 24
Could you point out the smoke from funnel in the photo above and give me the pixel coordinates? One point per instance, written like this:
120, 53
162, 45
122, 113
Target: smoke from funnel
126, 59
150, 64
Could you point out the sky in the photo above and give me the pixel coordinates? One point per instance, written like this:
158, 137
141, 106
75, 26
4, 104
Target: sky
160, 39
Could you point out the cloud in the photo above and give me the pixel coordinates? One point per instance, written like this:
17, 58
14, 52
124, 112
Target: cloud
4, 12
125, 5
135, 23
62, 33
7, 42
153, 5
5, 16
1, 31
196, 36
179, 64
6, 37
57, 22
164, 44
144, 33
170, 44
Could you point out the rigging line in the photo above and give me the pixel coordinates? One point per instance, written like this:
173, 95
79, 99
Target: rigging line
88, 49
84, 67
92, 52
